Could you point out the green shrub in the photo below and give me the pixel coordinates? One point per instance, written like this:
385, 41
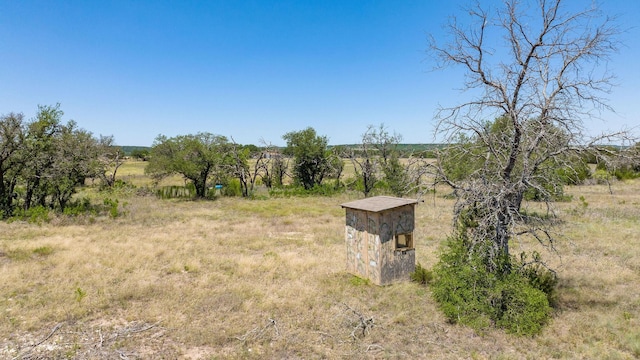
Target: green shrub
469, 294
553, 181
112, 207
78, 207
354, 184
34, 215
602, 176
544, 280
460, 290
232, 188
576, 174
626, 173
552, 192
119, 186
518, 307
421, 275
325, 189
358, 281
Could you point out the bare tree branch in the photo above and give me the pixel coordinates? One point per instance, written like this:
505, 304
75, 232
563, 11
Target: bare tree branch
534, 77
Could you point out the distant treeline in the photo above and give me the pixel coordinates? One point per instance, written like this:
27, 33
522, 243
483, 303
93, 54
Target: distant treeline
129, 150
404, 149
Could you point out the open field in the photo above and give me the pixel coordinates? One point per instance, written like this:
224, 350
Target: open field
236, 278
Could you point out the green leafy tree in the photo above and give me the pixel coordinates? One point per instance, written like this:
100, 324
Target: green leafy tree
11, 143
74, 159
40, 143
197, 158
59, 157
140, 154
469, 157
397, 176
43, 161
311, 157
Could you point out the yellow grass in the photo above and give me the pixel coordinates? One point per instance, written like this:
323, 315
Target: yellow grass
235, 278
132, 172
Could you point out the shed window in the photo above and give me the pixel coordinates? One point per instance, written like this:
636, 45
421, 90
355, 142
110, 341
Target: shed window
404, 241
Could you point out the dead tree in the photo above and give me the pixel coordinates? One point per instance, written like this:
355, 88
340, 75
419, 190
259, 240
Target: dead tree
247, 174
371, 159
110, 158
541, 71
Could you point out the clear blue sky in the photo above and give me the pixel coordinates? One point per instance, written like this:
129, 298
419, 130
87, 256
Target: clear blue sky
250, 70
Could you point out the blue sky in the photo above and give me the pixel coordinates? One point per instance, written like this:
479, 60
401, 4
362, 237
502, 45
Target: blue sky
250, 70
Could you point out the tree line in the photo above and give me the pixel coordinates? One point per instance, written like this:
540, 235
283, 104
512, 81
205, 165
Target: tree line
306, 162
43, 161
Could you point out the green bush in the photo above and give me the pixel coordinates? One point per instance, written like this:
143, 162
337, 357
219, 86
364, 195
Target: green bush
112, 207
554, 181
460, 291
625, 172
469, 294
518, 307
34, 215
544, 280
422, 275
576, 174
325, 189
232, 188
602, 176
79, 207
553, 191
354, 184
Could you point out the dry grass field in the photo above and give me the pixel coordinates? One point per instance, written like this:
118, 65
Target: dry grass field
235, 278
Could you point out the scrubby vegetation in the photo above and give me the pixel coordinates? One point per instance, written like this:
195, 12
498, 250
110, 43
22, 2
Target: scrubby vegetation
265, 278
522, 298
468, 292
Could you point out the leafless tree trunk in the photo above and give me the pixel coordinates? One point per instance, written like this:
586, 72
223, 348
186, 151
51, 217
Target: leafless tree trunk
365, 161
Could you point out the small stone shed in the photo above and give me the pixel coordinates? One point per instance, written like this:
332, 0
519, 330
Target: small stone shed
379, 238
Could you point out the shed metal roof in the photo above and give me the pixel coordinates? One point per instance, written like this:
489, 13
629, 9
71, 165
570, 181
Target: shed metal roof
378, 203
